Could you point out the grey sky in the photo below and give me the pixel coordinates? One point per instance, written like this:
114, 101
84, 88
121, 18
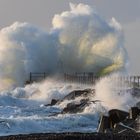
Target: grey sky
41, 12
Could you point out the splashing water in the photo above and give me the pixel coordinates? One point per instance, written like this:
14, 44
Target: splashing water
22, 110
79, 41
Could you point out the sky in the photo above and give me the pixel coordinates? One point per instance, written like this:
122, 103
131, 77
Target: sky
41, 12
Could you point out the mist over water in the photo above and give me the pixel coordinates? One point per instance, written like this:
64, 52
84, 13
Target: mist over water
79, 41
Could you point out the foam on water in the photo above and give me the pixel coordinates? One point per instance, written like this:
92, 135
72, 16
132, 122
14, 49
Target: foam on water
82, 42
22, 110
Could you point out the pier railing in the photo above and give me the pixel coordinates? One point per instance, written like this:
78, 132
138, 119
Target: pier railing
90, 78
36, 77
81, 78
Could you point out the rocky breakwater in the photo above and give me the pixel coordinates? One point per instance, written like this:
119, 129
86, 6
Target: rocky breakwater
77, 100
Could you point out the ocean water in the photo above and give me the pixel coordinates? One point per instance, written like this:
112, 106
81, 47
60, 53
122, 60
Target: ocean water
23, 110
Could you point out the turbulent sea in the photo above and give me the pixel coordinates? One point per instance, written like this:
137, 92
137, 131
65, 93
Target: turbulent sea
23, 110
80, 40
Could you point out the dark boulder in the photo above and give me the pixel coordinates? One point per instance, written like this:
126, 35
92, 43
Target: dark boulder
116, 116
74, 108
118, 121
78, 93
53, 102
138, 105
134, 92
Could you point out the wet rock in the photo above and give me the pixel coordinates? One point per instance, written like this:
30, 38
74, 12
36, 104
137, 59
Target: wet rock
53, 102
116, 116
120, 122
74, 108
138, 105
134, 92
78, 93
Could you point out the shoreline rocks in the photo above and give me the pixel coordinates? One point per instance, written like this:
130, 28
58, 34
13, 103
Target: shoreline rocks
73, 136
